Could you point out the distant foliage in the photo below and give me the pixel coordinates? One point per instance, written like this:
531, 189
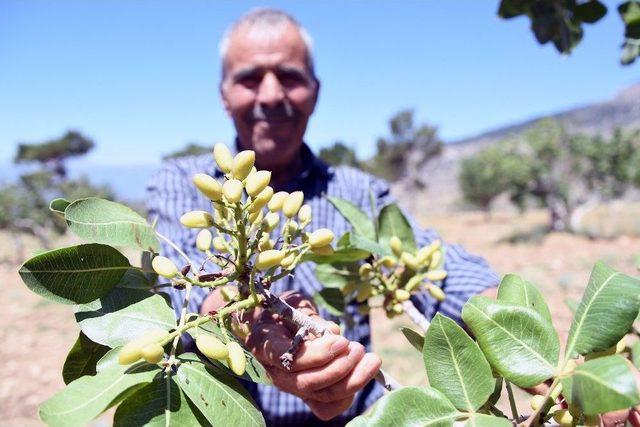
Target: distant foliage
52, 154
560, 22
405, 148
554, 169
490, 173
339, 154
24, 204
192, 149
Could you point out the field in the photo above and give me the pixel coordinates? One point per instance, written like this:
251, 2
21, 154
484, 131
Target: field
36, 334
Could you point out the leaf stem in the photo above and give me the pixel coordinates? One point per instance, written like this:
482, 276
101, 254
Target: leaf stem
546, 405
512, 401
167, 410
177, 249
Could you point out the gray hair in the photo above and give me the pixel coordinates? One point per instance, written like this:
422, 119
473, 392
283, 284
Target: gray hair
269, 22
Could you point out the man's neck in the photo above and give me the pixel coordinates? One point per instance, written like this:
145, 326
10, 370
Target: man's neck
282, 176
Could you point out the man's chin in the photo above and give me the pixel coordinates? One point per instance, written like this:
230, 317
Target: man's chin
272, 153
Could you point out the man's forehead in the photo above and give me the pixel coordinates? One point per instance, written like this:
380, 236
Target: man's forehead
250, 47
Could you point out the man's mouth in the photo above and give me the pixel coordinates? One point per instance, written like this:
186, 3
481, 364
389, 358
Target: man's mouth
281, 113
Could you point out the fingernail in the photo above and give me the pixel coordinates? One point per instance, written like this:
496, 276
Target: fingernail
338, 346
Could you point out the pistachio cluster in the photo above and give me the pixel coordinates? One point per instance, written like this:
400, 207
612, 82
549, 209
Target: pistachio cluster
255, 236
395, 277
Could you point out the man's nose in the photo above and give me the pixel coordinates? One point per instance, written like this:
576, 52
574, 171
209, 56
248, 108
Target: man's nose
270, 92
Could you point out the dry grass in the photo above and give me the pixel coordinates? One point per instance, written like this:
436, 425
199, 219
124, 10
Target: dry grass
36, 335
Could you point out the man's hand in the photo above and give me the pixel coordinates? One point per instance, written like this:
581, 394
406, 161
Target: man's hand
326, 372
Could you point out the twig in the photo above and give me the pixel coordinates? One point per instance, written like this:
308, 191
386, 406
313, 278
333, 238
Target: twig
287, 357
177, 249
387, 381
512, 402
545, 406
415, 315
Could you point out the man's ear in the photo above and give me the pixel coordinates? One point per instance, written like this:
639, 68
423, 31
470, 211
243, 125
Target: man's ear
224, 98
317, 94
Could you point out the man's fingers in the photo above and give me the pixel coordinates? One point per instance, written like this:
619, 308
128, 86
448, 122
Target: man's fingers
311, 380
364, 372
326, 411
268, 341
318, 352
305, 383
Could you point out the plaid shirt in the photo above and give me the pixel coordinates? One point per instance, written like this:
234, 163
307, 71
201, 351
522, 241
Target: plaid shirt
171, 193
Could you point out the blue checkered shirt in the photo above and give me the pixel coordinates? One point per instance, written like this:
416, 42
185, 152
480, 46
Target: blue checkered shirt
171, 193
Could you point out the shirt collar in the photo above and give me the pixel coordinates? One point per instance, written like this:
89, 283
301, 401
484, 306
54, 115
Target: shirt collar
312, 166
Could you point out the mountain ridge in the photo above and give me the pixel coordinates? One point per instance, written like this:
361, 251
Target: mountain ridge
440, 174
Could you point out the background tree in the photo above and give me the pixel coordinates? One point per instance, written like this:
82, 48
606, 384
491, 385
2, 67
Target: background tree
24, 204
339, 154
562, 172
52, 154
560, 21
192, 149
405, 149
490, 173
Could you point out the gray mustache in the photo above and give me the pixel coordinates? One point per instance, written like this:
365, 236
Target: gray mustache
284, 110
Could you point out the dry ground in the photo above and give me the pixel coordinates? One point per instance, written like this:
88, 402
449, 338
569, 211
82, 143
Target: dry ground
36, 335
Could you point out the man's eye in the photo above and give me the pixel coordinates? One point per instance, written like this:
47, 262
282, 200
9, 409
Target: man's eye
249, 81
291, 79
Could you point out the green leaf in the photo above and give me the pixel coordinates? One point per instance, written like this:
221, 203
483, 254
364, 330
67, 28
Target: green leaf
410, 407
414, 338
331, 299
339, 255
590, 11
334, 277
482, 420
515, 290
635, 354
87, 397
255, 372
497, 392
59, 205
608, 308
82, 359
604, 385
630, 12
74, 275
567, 387
134, 279
123, 315
455, 365
109, 359
102, 221
146, 407
357, 218
368, 245
220, 398
517, 341
512, 8
392, 222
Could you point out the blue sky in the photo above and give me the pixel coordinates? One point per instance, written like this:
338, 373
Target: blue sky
140, 77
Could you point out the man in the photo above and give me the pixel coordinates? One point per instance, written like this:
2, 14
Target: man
269, 89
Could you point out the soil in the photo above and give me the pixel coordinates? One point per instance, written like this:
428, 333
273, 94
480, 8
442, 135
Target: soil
37, 335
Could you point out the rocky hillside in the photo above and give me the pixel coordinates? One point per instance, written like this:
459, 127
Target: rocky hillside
441, 174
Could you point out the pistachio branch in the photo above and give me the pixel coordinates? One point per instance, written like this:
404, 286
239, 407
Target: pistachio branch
415, 315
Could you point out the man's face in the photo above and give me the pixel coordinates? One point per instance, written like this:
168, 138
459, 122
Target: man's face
269, 92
